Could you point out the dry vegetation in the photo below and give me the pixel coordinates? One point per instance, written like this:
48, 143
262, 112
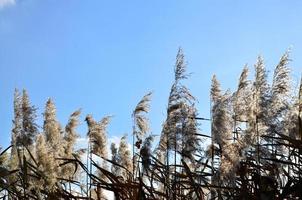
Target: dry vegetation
254, 153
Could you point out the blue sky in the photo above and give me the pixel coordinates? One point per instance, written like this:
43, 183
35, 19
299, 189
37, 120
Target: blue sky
103, 56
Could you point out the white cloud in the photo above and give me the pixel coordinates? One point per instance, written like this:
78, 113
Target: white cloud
4, 3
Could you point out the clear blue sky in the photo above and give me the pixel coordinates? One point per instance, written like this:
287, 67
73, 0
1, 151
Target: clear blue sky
103, 56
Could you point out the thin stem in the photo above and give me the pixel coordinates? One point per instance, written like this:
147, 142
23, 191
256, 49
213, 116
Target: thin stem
87, 163
133, 149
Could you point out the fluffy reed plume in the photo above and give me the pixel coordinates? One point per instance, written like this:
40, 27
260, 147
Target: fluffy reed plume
280, 88
99, 147
221, 125
300, 109
114, 158
179, 99
124, 157
230, 159
221, 132
178, 140
160, 151
140, 128
17, 129
145, 152
299, 120
257, 112
98, 135
46, 164
244, 108
17, 121
190, 131
221, 116
280, 100
291, 122
257, 124
98, 139
293, 119
52, 129
180, 66
243, 111
251, 133
242, 97
69, 143
25, 129
29, 127
91, 123
261, 91
141, 121
215, 89
70, 132
300, 94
